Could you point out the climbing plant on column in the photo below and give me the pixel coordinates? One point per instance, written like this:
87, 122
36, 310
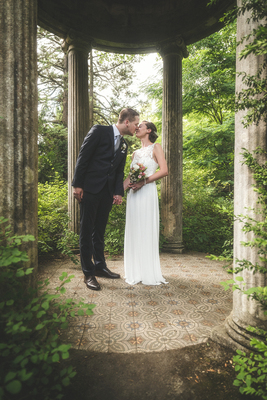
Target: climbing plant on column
252, 368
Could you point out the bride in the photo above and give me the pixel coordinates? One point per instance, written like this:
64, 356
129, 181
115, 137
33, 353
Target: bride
141, 242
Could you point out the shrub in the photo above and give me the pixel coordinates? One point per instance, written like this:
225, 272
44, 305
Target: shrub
30, 322
53, 219
52, 214
207, 220
114, 235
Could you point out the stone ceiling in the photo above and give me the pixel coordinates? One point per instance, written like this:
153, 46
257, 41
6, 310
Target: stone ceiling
131, 26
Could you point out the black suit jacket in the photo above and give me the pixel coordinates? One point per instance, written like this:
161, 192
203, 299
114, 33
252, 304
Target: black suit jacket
96, 164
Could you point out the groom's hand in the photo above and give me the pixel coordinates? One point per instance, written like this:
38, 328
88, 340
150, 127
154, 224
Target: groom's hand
78, 193
117, 199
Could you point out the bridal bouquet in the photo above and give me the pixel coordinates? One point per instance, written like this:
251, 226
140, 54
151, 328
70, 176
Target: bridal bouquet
137, 173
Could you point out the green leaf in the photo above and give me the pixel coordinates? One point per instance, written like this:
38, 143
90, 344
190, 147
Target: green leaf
66, 381
28, 271
25, 376
34, 359
64, 347
13, 387
45, 305
64, 325
20, 273
237, 383
63, 276
55, 357
18, 359
10, 376
40, 314
39, 326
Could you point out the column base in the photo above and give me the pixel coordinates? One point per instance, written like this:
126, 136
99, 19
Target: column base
232, 335
173, 247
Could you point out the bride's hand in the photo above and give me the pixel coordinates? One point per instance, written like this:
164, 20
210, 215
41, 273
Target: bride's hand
137, 185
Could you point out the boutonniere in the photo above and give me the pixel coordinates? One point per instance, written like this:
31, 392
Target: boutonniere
123, 147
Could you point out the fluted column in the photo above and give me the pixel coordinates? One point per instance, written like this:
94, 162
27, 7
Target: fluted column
172, 53
245, 312
19, 119
78, 112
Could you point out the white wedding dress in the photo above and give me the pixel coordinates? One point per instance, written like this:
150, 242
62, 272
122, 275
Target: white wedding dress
141, 241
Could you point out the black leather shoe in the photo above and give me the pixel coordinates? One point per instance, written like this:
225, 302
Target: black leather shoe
106, 273
91, 283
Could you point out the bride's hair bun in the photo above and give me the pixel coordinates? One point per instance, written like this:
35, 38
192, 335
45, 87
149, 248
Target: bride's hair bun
152, 135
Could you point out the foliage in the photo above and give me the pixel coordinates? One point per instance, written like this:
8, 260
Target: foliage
113, 75
68, 244
53, 219
209, 147
52, 213
209, 75
31, 320
207, 221
52, 151
153, 89
52, 75
114, 234
253, 98
207, 184
252, 368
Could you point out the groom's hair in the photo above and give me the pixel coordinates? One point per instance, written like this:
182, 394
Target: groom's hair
127, 113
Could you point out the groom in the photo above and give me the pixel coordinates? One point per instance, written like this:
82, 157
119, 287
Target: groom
97, 184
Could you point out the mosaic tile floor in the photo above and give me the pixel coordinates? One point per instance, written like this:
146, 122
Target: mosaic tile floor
133, 319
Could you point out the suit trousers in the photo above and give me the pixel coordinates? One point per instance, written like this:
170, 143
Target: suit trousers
94, 212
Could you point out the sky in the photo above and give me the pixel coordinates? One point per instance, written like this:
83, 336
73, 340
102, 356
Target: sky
146, 70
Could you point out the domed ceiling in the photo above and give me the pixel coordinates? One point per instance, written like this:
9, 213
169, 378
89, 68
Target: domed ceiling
132, 26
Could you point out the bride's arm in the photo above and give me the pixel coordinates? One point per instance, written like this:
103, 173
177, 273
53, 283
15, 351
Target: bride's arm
126, 183
160, 159
163, 169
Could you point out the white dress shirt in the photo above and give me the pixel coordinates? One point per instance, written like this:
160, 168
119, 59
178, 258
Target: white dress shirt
117, 135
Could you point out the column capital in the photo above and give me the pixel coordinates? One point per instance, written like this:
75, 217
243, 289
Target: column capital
74, 41
174, 46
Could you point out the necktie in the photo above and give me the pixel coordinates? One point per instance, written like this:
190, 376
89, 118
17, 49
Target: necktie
117, 143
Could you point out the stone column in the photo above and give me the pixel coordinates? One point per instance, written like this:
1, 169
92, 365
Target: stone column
245, 312
172, 53
78, 112
19, 119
